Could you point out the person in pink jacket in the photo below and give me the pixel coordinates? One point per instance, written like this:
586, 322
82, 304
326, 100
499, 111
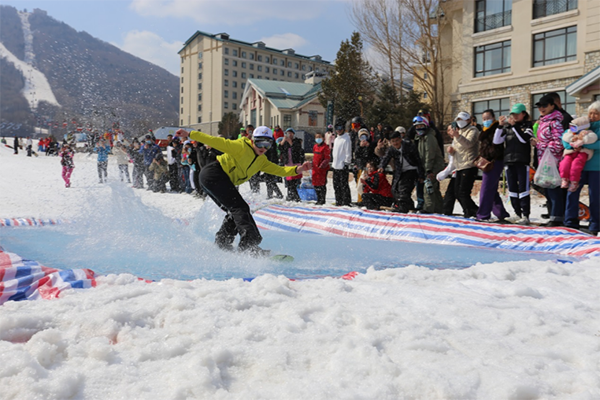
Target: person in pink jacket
549, 136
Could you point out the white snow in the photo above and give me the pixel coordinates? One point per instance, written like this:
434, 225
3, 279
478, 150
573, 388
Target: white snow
512, 330
37, 88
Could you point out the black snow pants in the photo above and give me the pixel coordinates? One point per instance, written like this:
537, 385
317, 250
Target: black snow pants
238, 220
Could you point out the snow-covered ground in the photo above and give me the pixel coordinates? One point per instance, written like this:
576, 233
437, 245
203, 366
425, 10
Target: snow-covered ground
512, 330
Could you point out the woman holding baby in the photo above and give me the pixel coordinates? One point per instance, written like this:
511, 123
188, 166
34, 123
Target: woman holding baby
590, 174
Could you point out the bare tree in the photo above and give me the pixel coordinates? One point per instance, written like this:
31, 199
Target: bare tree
407, 34
379, 23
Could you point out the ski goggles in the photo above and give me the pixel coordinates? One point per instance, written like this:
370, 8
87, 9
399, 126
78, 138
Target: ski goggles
263, 144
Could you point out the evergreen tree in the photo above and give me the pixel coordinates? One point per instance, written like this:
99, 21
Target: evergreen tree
230, 126
350, 86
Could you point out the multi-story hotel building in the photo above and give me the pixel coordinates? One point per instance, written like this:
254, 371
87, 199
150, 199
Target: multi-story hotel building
215, 70
504, 52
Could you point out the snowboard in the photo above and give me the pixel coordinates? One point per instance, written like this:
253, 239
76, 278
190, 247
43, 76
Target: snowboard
284, 258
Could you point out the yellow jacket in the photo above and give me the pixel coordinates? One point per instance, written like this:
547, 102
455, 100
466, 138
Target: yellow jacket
239, 161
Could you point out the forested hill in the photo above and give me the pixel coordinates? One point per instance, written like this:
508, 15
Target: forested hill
93, 82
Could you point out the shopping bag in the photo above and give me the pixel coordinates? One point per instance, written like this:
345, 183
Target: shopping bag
547, 175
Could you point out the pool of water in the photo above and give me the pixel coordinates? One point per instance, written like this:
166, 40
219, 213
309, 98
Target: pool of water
123, 235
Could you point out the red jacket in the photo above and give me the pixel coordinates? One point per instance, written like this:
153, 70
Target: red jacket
277, 133
377, 183
321, 159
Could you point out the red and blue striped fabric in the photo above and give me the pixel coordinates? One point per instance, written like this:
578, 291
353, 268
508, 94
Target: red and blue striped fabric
30, 222
424, 228
22, 279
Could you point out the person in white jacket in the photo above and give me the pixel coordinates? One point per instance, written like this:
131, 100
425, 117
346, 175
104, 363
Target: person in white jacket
341, 159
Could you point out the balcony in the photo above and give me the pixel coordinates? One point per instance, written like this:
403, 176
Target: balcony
493, 21
544, 8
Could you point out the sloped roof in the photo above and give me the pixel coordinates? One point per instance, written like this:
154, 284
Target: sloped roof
284, 95
586, 80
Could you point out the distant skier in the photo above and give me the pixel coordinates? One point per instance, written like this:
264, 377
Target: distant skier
242, 159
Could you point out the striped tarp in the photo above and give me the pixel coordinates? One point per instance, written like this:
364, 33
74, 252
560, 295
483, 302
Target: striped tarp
423, 228
31, 221
22, 279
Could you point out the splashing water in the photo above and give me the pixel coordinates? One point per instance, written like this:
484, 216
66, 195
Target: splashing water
122, 234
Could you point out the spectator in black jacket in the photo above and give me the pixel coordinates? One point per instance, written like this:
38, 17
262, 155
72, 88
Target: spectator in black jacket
292, 153
489, 198
408, 168
516, 133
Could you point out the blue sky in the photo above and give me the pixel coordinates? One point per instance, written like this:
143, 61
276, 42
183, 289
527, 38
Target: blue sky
155, 30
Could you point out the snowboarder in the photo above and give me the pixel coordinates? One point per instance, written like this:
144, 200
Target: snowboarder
241, 159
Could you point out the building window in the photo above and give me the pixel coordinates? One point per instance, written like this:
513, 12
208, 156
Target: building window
492, 14
287, 121
199, 65
199, 97
313, 118
492, 59
243, 85
274, 61
181, 99
296, 66
234, 63
251, 66
234, 83
225, 82
543, 8
281, 72
267, 70
500, 107
182, 70
252, 56
289, 74
234, 95
243, 75
259, 77
304, 68
289, 64
234, 106
200, 76
199, 107
182, 79
226, 51
235, 53
234, 74
199, 120
555, 47
243, 65
226, 105
282, 63
226, 93
182, 89
259, 68
226, 72
181, 110
243, 54
275, 71
259, 58
199, 86
567, 102
266, 59
226, 61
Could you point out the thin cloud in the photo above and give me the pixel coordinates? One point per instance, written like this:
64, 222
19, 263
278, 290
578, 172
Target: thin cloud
151, 47
228, 12
285, 41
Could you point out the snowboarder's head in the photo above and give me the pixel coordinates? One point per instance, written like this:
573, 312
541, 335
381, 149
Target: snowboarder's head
262, 140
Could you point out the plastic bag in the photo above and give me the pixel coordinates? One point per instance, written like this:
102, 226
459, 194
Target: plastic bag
547, 175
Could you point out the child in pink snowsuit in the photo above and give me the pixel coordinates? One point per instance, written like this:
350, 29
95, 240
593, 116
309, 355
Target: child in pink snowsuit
66, 160
575, 156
